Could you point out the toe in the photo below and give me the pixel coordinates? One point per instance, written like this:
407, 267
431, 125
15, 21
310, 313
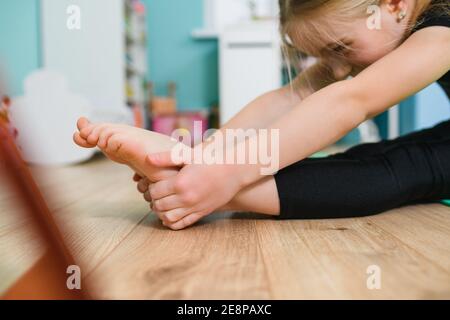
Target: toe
114, 143
86, 131
82, 123
101, 134
81, 142
105, 135
94, 136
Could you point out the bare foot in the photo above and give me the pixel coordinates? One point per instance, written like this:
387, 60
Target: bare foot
126, 145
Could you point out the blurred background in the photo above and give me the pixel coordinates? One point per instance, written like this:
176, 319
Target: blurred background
157, 64
162, 65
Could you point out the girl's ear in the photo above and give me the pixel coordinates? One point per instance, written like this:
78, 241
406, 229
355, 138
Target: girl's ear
396, 6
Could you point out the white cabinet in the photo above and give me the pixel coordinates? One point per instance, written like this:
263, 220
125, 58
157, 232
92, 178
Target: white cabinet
219, 14
250, 65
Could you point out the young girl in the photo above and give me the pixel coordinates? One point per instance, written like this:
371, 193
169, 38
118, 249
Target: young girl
409, 51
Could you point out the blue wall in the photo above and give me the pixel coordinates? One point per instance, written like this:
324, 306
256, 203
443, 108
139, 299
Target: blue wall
175, 56
20, 43
430, 107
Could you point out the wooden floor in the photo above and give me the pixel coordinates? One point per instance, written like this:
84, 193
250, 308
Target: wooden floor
125, 253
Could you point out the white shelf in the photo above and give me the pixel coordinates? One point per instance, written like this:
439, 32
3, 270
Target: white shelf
205, 34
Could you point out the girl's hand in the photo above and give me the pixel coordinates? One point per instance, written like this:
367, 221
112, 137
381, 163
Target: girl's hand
197, 191
143, 185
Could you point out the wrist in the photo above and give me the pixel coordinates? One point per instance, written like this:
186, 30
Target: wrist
245, 174
228, 157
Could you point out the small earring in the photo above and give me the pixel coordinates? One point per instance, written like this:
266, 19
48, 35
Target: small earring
401, 15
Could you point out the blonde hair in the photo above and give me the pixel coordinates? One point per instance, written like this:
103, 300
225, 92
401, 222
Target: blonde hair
298, 15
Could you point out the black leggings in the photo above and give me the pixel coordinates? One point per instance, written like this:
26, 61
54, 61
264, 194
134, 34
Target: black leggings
370, 178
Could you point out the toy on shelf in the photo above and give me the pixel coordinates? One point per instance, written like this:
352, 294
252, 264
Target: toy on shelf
163, 106
166, 119
4, 116
192, 124
136, 60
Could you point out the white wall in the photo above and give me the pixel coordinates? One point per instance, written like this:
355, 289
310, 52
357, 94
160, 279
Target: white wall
221, 13
91, 58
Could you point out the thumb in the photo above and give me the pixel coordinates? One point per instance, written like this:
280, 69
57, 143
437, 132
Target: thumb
164, 159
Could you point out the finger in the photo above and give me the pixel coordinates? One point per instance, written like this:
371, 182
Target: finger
168, 203
185, 222
148, 197
175, 215
143, 185
159, 214
82, 123
160, 174
162, 188
137, 177
161, 217
81, 142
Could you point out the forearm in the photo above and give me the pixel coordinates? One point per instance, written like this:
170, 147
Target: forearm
264, 110
315, 123
260, 197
